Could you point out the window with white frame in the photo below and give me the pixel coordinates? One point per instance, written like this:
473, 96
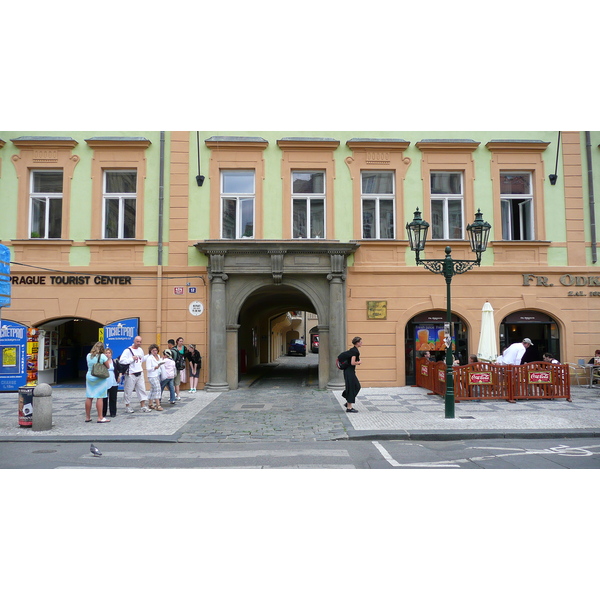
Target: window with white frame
378, 201
119, 201
516, 199
308, 204
45, 201
237, 204
447, 205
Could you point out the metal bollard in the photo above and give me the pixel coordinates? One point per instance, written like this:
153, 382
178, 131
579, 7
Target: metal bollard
42, 407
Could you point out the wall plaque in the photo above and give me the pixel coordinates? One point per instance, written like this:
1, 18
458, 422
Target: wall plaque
376, 309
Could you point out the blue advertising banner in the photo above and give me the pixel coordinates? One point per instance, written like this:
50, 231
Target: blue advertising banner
120, 334
4, 276
13, 356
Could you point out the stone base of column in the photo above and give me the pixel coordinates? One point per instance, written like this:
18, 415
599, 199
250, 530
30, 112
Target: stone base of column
216, 387
333, 385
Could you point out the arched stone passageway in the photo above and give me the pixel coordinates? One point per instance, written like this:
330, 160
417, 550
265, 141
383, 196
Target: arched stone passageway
253, 281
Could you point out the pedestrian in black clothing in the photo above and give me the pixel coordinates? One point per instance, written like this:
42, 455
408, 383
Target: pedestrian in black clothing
350, 379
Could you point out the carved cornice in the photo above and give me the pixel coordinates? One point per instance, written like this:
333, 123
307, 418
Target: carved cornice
270, 247
118, 142
222, 142
308, 143
377, 144
517, 145
432, 145
33, 142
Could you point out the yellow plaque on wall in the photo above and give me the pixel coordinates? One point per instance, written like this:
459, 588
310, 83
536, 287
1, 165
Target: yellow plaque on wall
376, 309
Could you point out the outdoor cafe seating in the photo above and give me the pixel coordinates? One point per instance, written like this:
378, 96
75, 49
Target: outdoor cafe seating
489, 381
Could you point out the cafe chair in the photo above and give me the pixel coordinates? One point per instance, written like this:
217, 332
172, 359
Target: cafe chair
577, 374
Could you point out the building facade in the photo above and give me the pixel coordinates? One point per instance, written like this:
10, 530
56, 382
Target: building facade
230, 239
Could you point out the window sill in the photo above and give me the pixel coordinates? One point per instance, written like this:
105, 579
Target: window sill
38, 241
116, 242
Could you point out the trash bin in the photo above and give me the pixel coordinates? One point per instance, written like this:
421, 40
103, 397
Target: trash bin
26, 406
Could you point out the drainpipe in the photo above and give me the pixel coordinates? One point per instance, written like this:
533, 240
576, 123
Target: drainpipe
588, 153
159, 268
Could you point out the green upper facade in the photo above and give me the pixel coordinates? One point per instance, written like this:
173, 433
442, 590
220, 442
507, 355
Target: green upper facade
448, 175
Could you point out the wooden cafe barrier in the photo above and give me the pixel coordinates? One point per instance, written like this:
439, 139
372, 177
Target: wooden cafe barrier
487, 381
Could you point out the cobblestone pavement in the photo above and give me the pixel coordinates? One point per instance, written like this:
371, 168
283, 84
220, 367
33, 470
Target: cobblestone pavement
283, 403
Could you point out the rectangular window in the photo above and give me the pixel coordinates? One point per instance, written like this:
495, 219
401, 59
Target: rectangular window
119, 199
447, 205
237, 202
378, 202
308, 204
46, 204
516, 199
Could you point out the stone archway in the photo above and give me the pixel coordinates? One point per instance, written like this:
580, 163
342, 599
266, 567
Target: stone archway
237, 269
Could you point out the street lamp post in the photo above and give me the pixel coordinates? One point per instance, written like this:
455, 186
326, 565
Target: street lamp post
479, 232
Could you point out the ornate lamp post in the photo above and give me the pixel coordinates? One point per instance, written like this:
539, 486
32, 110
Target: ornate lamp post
479, 232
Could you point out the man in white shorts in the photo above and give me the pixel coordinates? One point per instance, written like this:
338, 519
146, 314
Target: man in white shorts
134, 379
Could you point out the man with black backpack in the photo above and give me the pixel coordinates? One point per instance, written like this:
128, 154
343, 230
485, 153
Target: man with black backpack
179, 351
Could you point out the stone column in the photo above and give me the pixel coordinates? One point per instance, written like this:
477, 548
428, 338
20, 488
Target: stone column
217, 359
233, 375
324, 366
337, 317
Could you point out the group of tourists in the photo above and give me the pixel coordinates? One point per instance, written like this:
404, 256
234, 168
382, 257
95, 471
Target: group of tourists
168, 371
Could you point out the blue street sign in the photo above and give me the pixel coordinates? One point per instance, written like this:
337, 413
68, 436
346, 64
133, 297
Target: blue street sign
4, 276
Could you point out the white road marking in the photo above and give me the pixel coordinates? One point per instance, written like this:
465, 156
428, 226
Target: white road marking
222, 454
395, 463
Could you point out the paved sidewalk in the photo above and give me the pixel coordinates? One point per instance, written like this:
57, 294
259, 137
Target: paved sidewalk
304, 413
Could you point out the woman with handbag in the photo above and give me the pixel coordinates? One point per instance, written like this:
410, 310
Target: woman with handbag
96, 382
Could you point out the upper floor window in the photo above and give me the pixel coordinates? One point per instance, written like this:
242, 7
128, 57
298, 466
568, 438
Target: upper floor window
516, 199
237, 202
46, 200
119, 198
378, 200
308, 204
447, 205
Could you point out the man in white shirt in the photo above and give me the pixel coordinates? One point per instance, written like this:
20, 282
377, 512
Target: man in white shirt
514, 353
134, 379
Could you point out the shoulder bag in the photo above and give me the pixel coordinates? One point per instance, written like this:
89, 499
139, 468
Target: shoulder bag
99, 369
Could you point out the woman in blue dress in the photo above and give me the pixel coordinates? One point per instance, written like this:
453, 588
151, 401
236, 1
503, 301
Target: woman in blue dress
95, 387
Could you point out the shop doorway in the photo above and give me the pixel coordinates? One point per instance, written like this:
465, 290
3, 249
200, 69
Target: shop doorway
539, 327
424, 333
67, 342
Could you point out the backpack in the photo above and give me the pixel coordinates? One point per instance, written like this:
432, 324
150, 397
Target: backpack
121, 369
343, 361
179, 360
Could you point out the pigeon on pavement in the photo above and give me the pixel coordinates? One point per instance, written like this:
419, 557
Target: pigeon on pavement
95, 450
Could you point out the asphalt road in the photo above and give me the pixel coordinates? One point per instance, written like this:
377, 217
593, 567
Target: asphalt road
582, 453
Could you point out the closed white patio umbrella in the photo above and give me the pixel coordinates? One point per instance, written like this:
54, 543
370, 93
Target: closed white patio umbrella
488, 347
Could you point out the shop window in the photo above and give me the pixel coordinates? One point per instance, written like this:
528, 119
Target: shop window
237, 204
447, 205
308, 204
378, 201
46, 204
516, 199
119, 204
